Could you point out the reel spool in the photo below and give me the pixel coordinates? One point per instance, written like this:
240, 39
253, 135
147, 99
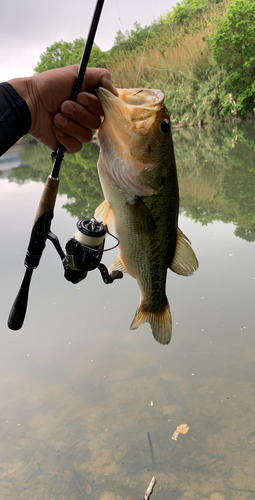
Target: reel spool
85, 250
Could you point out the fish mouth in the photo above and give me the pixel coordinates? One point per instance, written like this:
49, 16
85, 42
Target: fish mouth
134, 104
141, 97
133, 111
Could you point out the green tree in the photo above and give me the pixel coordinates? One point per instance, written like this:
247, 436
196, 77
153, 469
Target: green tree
65, 53
187, 10
233, 45
130, 41
55, 56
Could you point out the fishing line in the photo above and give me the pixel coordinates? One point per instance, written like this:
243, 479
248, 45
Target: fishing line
145, 46
166, 81
122, 27
162, 69
129, 41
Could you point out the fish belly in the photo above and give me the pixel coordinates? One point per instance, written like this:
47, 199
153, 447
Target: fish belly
146, 229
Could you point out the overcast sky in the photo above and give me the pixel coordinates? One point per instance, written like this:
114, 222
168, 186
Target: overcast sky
29, 26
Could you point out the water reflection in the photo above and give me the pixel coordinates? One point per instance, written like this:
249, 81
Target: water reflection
9, 161
79, 178
216, 169
79, 391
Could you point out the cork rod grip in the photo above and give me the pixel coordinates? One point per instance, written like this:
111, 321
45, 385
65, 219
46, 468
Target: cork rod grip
48, 198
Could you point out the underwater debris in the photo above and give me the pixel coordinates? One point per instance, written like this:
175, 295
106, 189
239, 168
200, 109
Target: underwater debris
150, 489
181, 429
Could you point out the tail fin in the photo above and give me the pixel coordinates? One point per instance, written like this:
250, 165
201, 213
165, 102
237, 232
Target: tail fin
160, 322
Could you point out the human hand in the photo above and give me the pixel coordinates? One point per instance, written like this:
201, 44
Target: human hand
53, 116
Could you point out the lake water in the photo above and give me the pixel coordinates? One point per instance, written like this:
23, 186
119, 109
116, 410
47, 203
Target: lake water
80, 392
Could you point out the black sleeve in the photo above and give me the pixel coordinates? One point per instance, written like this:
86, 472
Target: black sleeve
15, 118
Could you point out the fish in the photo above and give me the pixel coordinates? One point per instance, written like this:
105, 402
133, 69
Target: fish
138, 175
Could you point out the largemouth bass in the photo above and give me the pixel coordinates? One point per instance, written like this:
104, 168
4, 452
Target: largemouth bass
138, 175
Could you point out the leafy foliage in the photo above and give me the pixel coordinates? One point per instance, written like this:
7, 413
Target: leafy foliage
62, 54
177, 60
163, 32
187, 10
130, 41
201, 54
233, 45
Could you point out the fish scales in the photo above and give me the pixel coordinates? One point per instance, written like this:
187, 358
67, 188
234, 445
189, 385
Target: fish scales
138, 175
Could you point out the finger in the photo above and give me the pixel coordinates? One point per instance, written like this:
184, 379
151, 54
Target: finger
75, 112
93, 76
71, 128
107, 83
91, 103
78, 123
70, 143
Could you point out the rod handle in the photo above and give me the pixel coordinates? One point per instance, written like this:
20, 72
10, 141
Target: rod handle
18, 310
48, 198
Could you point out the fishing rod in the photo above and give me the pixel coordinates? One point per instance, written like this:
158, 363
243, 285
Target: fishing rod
84, 251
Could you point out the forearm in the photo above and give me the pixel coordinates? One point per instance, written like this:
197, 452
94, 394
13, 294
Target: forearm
15, 118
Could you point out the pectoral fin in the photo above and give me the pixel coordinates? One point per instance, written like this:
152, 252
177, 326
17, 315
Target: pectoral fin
160, 322
140, 216
105, 213
184, 261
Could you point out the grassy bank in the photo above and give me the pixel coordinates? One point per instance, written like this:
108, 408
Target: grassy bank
181, 65
200, 54
204, 77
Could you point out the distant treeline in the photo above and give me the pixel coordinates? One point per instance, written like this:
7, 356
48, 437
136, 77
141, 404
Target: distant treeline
201, 54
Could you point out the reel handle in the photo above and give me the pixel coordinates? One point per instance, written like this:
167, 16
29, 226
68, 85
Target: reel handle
18, 310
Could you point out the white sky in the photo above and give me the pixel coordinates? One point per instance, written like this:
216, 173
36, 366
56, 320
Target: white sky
29, 26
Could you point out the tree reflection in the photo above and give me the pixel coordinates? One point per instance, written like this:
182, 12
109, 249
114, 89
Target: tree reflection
216, 170
78, 177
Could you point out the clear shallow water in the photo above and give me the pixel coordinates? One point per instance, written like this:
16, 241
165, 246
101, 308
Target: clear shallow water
80, 392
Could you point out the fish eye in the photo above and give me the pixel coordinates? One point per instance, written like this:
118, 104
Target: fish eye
165, 126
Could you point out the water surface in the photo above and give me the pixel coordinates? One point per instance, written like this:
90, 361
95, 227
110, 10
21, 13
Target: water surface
80, 391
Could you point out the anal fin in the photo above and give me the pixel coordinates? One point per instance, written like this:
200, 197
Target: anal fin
118, 266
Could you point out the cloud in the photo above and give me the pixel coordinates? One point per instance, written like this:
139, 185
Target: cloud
29, 26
